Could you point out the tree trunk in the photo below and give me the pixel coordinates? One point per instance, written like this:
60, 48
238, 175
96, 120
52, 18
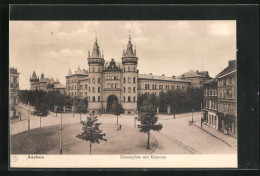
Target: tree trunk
90, 148
148, 141
117, 120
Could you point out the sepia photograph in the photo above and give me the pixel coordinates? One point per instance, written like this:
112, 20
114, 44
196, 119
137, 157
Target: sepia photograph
134, 93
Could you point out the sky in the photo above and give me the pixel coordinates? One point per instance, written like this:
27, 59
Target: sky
162, 47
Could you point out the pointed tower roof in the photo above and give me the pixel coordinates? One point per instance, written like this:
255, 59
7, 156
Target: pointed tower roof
129, 51
96, 52
34, 75
42, 76
69, 74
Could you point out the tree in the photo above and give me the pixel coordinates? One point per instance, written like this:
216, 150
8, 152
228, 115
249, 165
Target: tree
148, 120
91, 131
81, 106
117, 110
41, 110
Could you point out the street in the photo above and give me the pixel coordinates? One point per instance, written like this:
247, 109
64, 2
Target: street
176, 137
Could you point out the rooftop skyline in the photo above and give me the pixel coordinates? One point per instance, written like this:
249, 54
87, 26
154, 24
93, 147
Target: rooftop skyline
162, 47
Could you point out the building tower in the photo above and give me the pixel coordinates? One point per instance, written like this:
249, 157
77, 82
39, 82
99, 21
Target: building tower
130, 77
34, 81
95, 88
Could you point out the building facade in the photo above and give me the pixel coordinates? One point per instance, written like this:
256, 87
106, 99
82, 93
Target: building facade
227, 98
14, 89
196, 78
105, 82
211, 104
45, 84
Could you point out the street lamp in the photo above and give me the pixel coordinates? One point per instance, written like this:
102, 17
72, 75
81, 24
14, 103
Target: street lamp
61, 133
192, 115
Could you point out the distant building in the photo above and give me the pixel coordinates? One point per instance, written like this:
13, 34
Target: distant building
14, 89
45, 84
227, 97
211, 103
105, 82
196, 78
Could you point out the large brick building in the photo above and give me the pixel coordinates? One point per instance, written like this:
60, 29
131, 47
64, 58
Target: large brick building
105, 82
14, 89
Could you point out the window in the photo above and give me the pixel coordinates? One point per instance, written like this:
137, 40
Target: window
128, 68
98, 98
93, 89
172, 87
129, 89
99, 80
124, 89
148, 86
124, 80
134, 99
93, 80
89, 89
129, 98
134, 69
115, 85
124, 98
98, 89
86, 86
93, 69
129, 79
134, 89
94, 99
124, 69
134, 80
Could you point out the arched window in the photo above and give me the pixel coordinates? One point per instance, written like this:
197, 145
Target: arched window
94, 99
124, 98
115, 85
124, 89
134, 89
98, 98
112, 85
124, 80
99, 80
93, 89
134, 69
134, 99
134, 80
129, 98
129, 89
89, 89
93, 80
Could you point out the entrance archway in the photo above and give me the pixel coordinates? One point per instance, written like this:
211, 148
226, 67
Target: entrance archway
110, 100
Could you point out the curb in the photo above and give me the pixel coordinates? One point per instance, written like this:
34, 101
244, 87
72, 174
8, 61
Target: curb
157, 143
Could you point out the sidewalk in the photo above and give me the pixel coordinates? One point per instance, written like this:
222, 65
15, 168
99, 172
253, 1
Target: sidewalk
231, 141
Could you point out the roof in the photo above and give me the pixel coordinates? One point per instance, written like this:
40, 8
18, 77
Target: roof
192, 74
160, 78
59, 86
13, 71
212, 81
232, 66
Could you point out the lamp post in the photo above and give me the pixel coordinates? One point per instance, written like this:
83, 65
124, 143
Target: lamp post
192, 115
61, 133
